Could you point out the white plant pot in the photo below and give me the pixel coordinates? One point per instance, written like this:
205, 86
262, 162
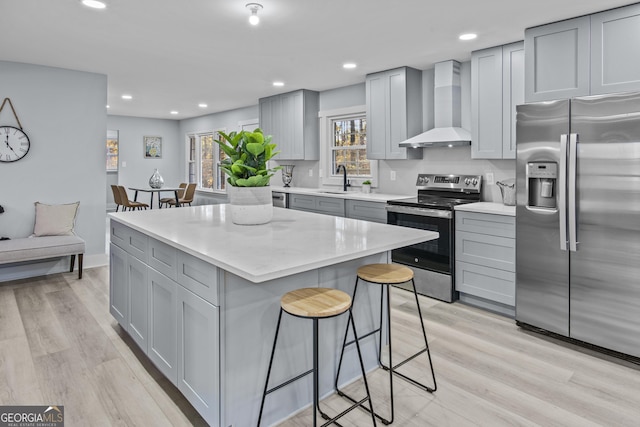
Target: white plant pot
250, 205
366, 188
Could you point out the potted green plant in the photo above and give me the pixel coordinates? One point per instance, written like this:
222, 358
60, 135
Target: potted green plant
366, 186
248, 176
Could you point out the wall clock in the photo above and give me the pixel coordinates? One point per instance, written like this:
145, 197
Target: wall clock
14, 142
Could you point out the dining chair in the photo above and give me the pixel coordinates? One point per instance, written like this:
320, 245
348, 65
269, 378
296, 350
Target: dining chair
166, 200
116, 197
188, 196
126, 203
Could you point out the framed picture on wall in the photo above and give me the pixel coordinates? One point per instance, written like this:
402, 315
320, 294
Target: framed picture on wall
152, 147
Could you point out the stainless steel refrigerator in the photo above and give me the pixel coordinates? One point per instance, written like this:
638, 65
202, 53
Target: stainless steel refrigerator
578, 219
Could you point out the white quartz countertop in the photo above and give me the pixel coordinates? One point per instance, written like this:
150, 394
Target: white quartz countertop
293, 242
488, 207
337, 193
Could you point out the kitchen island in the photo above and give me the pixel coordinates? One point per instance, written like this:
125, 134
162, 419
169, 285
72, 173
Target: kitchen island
200, 296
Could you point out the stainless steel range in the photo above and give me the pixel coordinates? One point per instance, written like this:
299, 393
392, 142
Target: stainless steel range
433, 209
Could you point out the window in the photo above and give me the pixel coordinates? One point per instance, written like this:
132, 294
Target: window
112, 150
203, 164
349, 146
343, 139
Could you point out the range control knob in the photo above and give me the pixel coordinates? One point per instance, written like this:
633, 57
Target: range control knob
416, 260
467, 181
423, 180
475, 181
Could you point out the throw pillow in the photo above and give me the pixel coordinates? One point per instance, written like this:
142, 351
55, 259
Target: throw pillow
55, 220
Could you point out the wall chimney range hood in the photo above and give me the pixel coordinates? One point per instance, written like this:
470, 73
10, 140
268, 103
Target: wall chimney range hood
447, 109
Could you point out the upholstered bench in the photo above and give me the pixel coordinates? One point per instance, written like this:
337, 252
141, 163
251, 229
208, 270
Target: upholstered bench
43, 247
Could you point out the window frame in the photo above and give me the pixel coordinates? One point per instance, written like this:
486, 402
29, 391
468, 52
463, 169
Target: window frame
326, 147
198, 159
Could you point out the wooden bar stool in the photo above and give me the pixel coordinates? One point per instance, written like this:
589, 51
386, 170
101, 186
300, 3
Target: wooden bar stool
315, 304
388, 274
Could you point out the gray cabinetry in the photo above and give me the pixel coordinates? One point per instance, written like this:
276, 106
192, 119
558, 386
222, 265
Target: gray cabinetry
394, 112
557, 60
485, 260
162, 348
137, 325
292, 119
199, 354
497, 86
119, 285
368, 211
615, 50
317, 204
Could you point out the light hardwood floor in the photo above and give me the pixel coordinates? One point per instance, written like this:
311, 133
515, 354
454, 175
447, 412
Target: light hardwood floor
60, 345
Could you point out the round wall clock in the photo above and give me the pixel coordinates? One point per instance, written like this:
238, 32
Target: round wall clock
14, 144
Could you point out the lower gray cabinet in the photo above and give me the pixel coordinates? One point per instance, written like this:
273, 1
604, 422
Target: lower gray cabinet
317, 204
367, 211
119, 285
485, 260
163, 330
199, 354
138, 301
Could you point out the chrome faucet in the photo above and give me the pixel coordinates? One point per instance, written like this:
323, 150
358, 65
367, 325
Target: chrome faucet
345, 182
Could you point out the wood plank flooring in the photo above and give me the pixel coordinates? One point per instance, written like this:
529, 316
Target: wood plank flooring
60, 345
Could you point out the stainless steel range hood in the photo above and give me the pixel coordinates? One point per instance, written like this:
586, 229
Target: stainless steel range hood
447, 109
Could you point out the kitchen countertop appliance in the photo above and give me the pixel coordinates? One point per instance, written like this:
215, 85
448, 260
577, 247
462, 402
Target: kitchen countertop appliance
433, 262
578, 219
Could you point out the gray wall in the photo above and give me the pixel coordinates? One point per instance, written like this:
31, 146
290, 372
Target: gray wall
63, 113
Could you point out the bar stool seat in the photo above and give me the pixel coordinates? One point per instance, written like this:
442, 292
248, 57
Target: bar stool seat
315, 304
385, 275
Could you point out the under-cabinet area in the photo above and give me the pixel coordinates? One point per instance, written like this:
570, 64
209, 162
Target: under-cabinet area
485, 260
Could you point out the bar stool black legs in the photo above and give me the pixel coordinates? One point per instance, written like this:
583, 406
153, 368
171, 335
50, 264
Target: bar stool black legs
314, 370
391, 368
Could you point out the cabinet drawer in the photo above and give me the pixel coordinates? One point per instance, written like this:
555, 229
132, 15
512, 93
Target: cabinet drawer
369, 211
489, 251
163, 258
330, 206
300, 202
199, 277
132, 241
489, 283
495, 225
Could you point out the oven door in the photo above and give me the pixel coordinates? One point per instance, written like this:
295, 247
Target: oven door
435, 255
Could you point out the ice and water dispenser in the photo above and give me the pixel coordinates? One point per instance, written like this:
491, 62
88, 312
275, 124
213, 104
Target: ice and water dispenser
542, 180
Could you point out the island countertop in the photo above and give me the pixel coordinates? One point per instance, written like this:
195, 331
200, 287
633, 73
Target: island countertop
293, 242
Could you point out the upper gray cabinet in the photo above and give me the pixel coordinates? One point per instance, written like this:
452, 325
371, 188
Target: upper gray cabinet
615, 50
557, 60
394, 113
292, 119
497, 86
590, 55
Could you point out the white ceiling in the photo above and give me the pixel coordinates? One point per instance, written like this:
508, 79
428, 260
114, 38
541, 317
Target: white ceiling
174, 54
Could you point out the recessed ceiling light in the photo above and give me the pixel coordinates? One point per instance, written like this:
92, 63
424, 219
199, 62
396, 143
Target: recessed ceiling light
94, 4
468, 36
278, 84
202, 105
127, 97
349, 65
174, 112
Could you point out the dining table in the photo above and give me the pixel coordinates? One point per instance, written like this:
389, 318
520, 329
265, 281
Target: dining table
156, 190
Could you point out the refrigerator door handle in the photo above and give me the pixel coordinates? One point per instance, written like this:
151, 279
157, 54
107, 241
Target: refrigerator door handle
562, 192
572, 213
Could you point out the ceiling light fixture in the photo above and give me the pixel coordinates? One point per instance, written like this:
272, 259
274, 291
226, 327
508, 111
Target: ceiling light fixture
94, 4
468, 36
127, 97
349, 65
278, 84
254, 19
202, 105
174, 112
